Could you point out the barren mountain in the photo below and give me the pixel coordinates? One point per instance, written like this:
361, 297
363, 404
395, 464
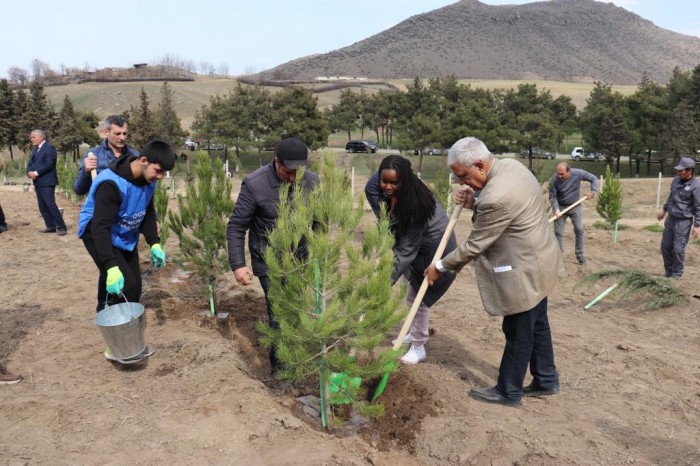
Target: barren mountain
559, 40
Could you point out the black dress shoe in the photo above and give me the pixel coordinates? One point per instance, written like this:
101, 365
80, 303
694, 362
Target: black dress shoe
48, 230
492, 395
534, 390
3, 228
61, 232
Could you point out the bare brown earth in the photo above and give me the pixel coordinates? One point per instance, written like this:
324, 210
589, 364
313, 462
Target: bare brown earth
630, 378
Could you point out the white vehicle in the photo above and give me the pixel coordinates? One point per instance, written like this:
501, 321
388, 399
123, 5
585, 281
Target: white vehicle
579, 154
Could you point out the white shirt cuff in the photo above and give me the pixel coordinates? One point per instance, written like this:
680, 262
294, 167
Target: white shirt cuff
441, 268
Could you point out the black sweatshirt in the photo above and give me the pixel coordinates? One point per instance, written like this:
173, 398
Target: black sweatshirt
107, 202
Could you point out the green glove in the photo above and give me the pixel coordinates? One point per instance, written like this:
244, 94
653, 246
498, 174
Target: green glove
115, 281
157, 256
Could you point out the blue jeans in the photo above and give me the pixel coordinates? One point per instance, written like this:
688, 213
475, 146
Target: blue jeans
528, 342
576, 215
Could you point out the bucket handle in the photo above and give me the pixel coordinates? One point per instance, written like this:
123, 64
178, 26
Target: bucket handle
121, 293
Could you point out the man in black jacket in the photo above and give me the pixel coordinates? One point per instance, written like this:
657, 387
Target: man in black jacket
256, 212
42, 171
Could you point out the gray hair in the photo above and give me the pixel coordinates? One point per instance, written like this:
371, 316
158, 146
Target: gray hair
40, 132
116, 120
467, 151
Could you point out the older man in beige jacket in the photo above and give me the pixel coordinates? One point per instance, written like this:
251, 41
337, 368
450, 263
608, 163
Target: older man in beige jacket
517, 262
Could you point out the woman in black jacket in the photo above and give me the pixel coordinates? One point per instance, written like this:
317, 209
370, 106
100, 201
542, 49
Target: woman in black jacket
418, 223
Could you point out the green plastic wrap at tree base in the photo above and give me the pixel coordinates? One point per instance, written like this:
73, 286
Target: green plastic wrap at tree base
342, 388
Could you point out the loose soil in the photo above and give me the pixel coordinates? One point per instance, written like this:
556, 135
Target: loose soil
630, 378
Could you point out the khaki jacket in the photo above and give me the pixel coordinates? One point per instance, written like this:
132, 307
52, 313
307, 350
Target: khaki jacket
515, 253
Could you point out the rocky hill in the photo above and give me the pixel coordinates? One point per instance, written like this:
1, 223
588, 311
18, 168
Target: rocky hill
559, 40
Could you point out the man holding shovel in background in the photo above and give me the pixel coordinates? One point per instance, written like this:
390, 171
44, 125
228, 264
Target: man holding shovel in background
119, 206
517, 262
98, 158
565, 190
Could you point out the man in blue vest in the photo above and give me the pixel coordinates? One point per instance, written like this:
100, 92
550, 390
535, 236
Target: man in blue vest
119, 206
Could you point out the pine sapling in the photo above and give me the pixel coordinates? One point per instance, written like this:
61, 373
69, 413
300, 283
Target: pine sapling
200, 224
609, 204
160, 201
336, 304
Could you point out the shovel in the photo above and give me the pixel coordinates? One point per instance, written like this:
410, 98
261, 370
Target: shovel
419, 298
569, 208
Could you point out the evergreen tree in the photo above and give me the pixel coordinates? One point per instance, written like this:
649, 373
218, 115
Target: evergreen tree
141, 126
344, 115
40, 113
609, 203
598, 106
22, 125
293, 113
339, 298
201, 221
68, 135
529, 115
614, 134
681, 134
160, 202
167, 124
8, 117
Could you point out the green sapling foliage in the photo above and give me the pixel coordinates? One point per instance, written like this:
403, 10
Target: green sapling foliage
334, 315
609, 204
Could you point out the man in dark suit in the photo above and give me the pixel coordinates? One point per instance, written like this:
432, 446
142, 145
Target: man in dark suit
42, 170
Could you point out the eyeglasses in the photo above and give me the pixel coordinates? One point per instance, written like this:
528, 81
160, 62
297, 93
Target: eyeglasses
464, 175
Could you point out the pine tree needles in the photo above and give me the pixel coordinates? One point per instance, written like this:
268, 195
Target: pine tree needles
200, 224
335, 326
609, 204
658, 292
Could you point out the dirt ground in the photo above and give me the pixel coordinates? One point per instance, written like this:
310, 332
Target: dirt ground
630, 378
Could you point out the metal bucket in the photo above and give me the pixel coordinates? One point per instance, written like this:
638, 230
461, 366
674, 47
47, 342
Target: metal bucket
122, 326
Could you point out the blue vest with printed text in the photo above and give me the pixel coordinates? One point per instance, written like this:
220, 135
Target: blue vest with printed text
132, 209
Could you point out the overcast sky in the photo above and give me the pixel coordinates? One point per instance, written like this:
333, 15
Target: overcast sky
246, 35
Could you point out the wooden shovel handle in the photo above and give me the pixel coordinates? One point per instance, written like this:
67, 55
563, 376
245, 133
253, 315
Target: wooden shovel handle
569, 208
93, 172
424, 286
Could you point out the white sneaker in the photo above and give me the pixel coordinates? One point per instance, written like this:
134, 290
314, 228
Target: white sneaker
407, 340
415, 355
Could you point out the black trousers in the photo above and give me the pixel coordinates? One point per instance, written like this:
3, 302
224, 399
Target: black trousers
2, 217
265, 283
528, 342
46, 197
128, 262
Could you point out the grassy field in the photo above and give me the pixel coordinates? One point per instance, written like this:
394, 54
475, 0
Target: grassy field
111, 98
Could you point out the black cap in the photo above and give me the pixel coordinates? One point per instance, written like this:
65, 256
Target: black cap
292, 153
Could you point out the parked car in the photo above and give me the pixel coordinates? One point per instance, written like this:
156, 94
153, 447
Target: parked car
361, 145
579, 154
191, 144
537, 153
431, 151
